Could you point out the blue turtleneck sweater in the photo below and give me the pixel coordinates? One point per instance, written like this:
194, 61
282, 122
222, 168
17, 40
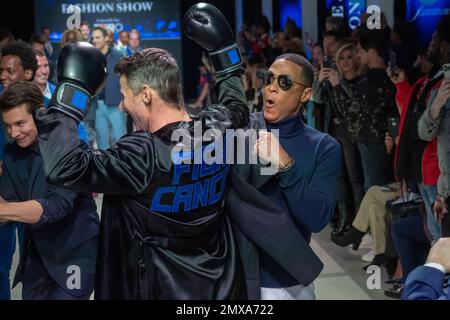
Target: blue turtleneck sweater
307, 191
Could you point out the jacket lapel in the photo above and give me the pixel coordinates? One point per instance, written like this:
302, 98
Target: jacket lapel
37, 163
257, 180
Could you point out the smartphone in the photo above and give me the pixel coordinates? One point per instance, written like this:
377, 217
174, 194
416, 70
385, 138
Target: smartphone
446, 68
392, 60
393, 124
326, 62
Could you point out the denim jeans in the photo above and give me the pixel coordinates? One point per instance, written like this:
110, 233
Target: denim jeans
429, 196
411, 242
108, 120
7, 248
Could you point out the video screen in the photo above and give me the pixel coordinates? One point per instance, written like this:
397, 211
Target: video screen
155, 20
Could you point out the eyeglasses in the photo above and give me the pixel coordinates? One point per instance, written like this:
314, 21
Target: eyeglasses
285, 81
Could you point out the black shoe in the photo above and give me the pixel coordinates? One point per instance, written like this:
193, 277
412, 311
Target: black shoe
395, 292
378, 260
353, 237
393, 281
344, 219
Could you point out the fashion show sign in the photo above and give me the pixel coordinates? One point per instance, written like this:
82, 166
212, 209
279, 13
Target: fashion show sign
153, 19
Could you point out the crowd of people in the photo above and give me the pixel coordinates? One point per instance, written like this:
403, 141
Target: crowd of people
362, 145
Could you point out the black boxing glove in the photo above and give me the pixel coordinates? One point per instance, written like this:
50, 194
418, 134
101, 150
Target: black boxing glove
207, 26
81, 75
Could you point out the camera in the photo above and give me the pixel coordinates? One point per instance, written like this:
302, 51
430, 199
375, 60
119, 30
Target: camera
326, 62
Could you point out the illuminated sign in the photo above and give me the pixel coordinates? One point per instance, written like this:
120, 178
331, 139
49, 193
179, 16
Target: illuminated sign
291, 9
350, 10
153, 19
426, 15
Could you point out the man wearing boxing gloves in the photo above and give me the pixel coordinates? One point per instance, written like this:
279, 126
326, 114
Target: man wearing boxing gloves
164, 234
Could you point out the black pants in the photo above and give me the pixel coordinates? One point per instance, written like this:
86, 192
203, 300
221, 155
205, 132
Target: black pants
353, 165
411, 242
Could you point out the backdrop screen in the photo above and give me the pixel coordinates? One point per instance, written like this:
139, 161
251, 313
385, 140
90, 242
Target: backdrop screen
426, 15
156, 20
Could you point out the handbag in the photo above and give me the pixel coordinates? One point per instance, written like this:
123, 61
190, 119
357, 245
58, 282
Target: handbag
405, 209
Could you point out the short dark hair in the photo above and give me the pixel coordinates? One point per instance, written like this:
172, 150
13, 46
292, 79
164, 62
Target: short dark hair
443, 29
376, 40
333, 33
318, 44
24, 52
102, 30
305, 65
6, 34
22, 92
39, 53
37, 38
156, 68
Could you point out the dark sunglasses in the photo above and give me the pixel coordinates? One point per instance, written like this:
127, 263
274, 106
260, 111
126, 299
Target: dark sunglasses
285, 81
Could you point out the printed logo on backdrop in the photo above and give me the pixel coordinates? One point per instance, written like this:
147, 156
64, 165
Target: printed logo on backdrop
428, 8
350, 10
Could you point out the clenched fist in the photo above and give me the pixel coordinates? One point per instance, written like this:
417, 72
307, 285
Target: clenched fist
269, 150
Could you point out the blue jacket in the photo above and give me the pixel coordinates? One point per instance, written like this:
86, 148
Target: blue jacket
111, 93
67, 232
425, 283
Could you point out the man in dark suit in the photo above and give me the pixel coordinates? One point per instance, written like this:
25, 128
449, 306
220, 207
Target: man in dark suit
18, 63
61, 226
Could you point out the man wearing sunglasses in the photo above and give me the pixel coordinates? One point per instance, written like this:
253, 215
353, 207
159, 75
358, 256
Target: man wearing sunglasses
307, 165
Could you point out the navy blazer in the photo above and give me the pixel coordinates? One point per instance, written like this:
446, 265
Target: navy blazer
426, 283
66, 235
